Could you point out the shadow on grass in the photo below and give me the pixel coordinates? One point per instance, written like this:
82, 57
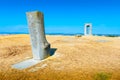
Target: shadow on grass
52, 51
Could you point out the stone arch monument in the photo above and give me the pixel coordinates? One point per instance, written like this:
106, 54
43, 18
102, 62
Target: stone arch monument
88, 29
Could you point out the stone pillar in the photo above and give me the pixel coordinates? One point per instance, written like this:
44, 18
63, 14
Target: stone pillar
40, 46
86, 31
90, 30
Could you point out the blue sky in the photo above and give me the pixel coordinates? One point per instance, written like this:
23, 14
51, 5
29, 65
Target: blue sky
62, 16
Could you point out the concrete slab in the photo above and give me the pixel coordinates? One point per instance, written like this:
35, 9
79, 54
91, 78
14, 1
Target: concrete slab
26, 64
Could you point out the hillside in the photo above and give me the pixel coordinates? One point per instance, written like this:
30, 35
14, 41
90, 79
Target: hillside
75, 58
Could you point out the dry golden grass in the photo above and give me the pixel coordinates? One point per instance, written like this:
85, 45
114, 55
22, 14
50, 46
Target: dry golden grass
76, 58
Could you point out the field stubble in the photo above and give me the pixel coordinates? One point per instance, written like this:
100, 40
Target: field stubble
76, 58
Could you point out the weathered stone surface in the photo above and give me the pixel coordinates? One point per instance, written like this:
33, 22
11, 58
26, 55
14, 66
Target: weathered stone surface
40, 46
26, 64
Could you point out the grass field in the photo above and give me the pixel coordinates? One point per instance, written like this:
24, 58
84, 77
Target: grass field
75, 58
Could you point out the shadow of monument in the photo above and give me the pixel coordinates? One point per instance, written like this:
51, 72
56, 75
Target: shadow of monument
52, 51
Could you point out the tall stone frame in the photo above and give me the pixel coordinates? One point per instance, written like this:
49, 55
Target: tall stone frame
88, 29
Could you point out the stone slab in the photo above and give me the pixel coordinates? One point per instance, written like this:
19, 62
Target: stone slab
25, 64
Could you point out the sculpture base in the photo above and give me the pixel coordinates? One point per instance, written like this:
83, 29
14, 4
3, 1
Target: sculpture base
26, 64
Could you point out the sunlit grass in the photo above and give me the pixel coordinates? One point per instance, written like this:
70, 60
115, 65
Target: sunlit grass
76, 58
